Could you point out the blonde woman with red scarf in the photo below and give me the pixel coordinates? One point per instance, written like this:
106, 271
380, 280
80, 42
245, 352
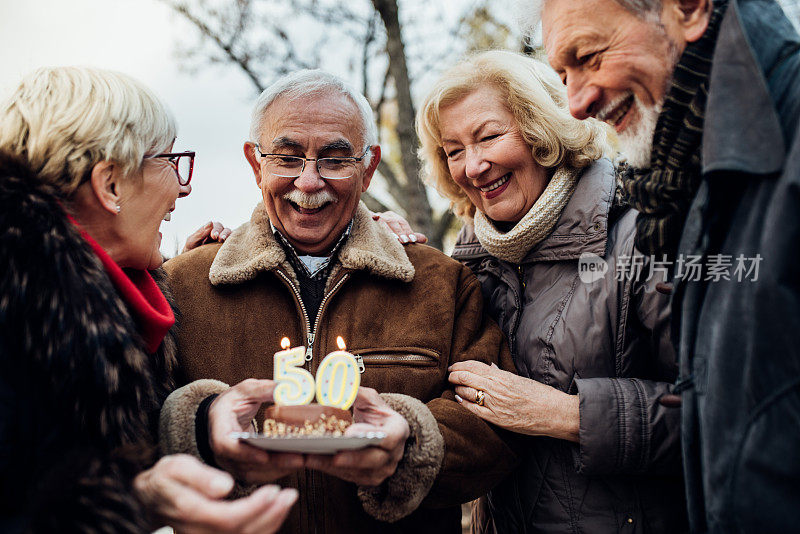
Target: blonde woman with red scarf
87, 174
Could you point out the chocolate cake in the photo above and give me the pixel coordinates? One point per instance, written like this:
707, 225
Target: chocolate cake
306, 420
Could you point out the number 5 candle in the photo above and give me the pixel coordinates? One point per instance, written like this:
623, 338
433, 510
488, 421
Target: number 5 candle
295, 384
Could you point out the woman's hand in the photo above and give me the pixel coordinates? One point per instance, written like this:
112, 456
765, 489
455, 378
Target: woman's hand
188, 495
400, 227
514, 402
208, 233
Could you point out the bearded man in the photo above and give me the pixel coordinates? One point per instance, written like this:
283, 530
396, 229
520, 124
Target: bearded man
705, 98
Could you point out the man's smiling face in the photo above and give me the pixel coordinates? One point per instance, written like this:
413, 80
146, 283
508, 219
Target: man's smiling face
617, 66
310, 211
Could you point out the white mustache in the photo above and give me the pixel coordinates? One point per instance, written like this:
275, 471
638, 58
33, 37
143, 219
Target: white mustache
310, 201
603, 114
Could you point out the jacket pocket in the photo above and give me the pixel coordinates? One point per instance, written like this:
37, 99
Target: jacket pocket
389, 356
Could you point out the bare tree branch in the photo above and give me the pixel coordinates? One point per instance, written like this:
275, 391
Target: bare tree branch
368, 40
206, 30
243, 17
381, 100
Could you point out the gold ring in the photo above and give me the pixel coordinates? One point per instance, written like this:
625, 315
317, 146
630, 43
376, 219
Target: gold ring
480, 397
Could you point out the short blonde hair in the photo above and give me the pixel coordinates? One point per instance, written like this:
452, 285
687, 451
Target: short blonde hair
63, 120
536, 97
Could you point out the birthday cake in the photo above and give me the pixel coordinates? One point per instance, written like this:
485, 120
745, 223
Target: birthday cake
306, 420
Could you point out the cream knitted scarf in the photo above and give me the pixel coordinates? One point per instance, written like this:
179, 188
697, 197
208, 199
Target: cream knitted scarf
534, 226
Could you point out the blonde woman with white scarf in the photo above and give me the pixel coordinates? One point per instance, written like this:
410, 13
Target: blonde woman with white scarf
549, 240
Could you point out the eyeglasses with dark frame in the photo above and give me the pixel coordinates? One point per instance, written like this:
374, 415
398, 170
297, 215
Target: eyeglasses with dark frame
182, 162
330, 168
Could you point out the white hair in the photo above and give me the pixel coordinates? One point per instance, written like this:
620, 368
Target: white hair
307, 82
529, 12
64, 120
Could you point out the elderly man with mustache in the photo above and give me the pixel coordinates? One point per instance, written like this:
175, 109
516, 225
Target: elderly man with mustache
313, 265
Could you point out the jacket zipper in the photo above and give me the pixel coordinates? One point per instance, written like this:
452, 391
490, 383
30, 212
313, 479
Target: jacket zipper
310, 335
512, 334
403, 358
296, 292
334, 289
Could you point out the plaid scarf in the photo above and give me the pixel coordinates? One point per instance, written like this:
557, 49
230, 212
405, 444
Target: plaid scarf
663, 193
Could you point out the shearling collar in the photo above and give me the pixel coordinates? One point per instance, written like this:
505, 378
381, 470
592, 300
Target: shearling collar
582, 227
251, 249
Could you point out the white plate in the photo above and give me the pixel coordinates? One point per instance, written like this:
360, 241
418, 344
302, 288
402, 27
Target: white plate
311, 444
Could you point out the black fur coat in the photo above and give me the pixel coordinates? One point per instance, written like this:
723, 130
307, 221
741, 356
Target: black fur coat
79, 397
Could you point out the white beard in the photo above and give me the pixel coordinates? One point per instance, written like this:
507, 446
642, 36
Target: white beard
636, 141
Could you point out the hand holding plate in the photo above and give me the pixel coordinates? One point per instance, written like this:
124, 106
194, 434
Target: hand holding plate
372, 465
232, 412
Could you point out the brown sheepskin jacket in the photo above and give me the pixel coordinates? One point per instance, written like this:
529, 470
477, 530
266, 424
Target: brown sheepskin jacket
409, 312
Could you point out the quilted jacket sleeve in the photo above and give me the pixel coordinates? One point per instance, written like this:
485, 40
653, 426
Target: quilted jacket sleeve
624, 428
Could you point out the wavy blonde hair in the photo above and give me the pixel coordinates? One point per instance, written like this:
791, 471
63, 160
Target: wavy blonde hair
537, 99
64, 120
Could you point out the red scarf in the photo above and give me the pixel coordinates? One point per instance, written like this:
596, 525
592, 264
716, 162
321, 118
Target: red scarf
140, 292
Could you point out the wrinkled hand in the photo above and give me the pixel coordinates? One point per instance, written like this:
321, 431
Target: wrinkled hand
372, 465
208, 233
400, 227
188, 495
232, 411
514, 402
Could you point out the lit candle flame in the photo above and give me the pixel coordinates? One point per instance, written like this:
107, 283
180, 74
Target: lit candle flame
285, 343
340, 343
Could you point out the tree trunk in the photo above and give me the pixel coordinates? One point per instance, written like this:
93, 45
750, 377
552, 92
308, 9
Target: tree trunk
415, 201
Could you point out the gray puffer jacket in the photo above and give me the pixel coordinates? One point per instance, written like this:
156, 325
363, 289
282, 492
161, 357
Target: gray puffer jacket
606, 340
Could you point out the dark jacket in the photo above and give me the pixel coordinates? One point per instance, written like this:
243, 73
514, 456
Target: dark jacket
739, 339
408, 312
606, 340
77, 390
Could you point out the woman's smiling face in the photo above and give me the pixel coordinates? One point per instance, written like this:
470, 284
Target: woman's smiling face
146, 200
488, 157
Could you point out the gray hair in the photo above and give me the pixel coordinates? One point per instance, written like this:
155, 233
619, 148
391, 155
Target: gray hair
306, 82
529, 12
64, 120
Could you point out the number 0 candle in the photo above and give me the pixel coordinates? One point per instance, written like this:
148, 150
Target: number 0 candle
295, 384
338, 378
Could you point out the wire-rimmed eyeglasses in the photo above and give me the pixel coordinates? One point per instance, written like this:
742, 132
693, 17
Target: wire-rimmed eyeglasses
330, 168
182, 162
